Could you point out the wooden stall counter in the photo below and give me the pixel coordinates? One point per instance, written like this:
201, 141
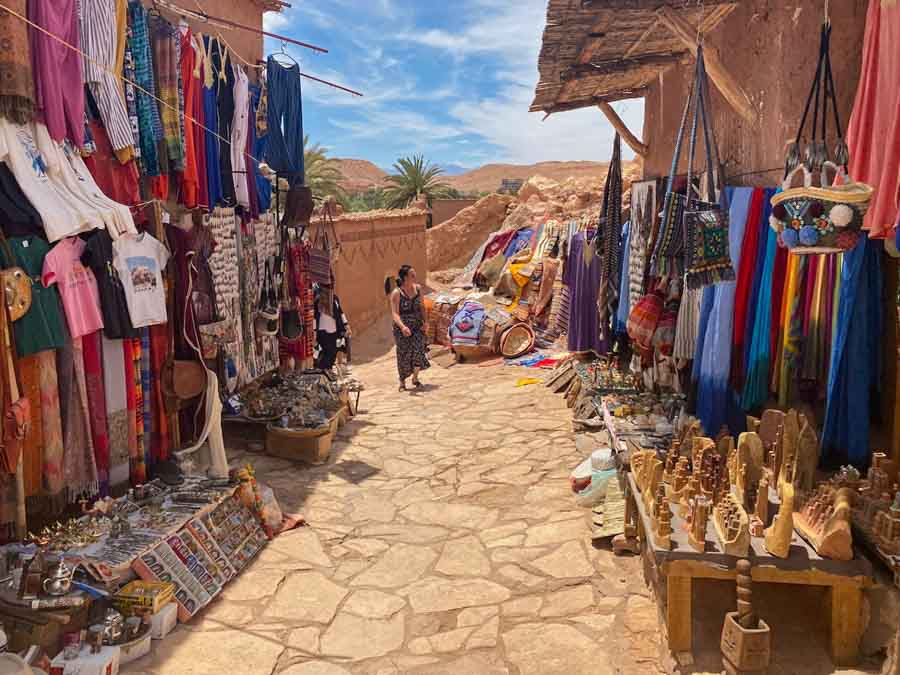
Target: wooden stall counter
672, 573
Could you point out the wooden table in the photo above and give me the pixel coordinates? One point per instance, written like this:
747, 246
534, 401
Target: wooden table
682, 564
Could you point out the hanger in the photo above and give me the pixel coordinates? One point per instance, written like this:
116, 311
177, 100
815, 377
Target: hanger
284, 54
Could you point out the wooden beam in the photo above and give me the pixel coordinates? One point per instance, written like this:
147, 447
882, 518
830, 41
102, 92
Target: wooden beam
588, 101
731, 90
619, 125
643, 38
580, 71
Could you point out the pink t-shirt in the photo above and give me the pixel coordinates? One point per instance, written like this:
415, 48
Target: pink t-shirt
77, 285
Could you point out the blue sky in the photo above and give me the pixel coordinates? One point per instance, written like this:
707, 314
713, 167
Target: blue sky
452, 79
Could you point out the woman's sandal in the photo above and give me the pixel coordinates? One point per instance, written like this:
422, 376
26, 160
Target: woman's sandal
402, 386
417, 384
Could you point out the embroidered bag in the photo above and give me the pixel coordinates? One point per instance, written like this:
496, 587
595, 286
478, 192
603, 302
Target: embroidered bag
827, 218
707, 256
324, 250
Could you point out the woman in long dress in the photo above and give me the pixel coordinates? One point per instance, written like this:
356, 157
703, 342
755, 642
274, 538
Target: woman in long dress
408, 323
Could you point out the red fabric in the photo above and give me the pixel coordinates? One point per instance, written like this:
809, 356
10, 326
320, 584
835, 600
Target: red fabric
779, 277
199, 134
160, 441
93, 373
873, 135
643, 319
159, 186
811, 269
120, 182
188, 179
744, 288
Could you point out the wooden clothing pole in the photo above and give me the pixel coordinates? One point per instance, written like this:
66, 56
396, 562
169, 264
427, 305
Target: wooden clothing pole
731, 90
619, 125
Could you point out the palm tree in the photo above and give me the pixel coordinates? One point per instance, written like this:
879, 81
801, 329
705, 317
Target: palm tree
414, 178
323, 175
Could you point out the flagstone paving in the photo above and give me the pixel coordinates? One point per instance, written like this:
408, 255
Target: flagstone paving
442, 538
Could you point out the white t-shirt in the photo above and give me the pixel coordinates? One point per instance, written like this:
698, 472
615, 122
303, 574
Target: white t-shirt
327, 323
140, 259
20, 149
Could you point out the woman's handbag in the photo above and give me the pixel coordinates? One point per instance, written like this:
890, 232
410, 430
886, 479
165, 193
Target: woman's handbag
707, 256
268, 315
691, 240
324, 248
16, 413
16, 285
826, 218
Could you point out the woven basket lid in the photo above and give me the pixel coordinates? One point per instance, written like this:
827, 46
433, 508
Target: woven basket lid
517, 341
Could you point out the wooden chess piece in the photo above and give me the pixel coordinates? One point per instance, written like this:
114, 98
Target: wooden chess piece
790, 441
761, 510
700, 508
807, 457
778, 536
746, 639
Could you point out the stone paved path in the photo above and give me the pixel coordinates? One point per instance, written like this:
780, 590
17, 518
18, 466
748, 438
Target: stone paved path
442, 538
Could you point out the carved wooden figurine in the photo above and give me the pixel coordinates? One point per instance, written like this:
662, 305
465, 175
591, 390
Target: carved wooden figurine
732, 526
663, 531
779, 534
807, 457
824, 521
746, 639
700, 508
761, 511
769, 433
790, 443
886, 527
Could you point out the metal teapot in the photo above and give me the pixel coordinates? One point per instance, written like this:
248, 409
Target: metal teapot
60, 580
113, 627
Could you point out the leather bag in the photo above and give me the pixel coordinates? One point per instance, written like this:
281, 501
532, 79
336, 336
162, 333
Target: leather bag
324, 249
16, 285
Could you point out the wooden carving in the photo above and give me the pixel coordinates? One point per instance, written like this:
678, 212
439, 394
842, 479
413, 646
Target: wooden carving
807, 457
790, 443
749, 465
824, 521
732, 526
761, 509
769, 432
662, 527
778, 535
700, 508
724, 446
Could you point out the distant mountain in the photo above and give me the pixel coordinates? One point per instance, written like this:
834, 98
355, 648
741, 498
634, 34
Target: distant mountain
488, 177
454, 169
361, 175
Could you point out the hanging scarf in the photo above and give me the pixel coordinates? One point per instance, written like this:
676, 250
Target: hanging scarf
116, 399
16, 81
32, 449
93, 370
146, 396
51, 424
744, 279
855, 357
609, 237
80, 467
161, 442
165, 45
149, 124
138, 470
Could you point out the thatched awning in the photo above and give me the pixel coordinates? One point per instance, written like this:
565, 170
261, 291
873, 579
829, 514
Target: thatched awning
597, 51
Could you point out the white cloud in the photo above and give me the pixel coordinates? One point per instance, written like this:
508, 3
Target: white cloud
274, 21
412, 126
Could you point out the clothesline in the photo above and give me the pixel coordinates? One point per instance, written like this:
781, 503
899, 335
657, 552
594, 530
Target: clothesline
118, 76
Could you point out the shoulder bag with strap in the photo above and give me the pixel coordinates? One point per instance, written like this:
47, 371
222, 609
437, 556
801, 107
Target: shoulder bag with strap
324, 246
16, 284
16, 413
707, 255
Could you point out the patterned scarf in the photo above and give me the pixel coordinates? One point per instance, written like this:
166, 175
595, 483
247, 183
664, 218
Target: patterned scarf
16, 81
79, 465
93, 370
166, 63
51, 424
141, 70
609, 236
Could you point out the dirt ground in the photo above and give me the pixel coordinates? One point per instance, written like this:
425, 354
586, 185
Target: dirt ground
442, 537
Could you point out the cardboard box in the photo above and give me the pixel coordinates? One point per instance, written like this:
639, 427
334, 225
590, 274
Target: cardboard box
163, 622
135, 649
104, 662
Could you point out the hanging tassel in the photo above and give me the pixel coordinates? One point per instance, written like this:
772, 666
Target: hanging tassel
792, 160
841, 153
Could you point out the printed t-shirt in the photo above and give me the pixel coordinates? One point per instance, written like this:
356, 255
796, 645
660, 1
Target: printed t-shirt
19, 149
42, 326
98, 255
77, 286
140, 259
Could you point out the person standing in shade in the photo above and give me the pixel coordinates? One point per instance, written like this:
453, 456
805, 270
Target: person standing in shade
408, 322
332, 326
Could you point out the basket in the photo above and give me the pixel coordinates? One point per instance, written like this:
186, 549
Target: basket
517, 341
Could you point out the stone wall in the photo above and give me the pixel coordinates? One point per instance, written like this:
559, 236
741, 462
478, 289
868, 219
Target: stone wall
375, 244
443, 210
770, 47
